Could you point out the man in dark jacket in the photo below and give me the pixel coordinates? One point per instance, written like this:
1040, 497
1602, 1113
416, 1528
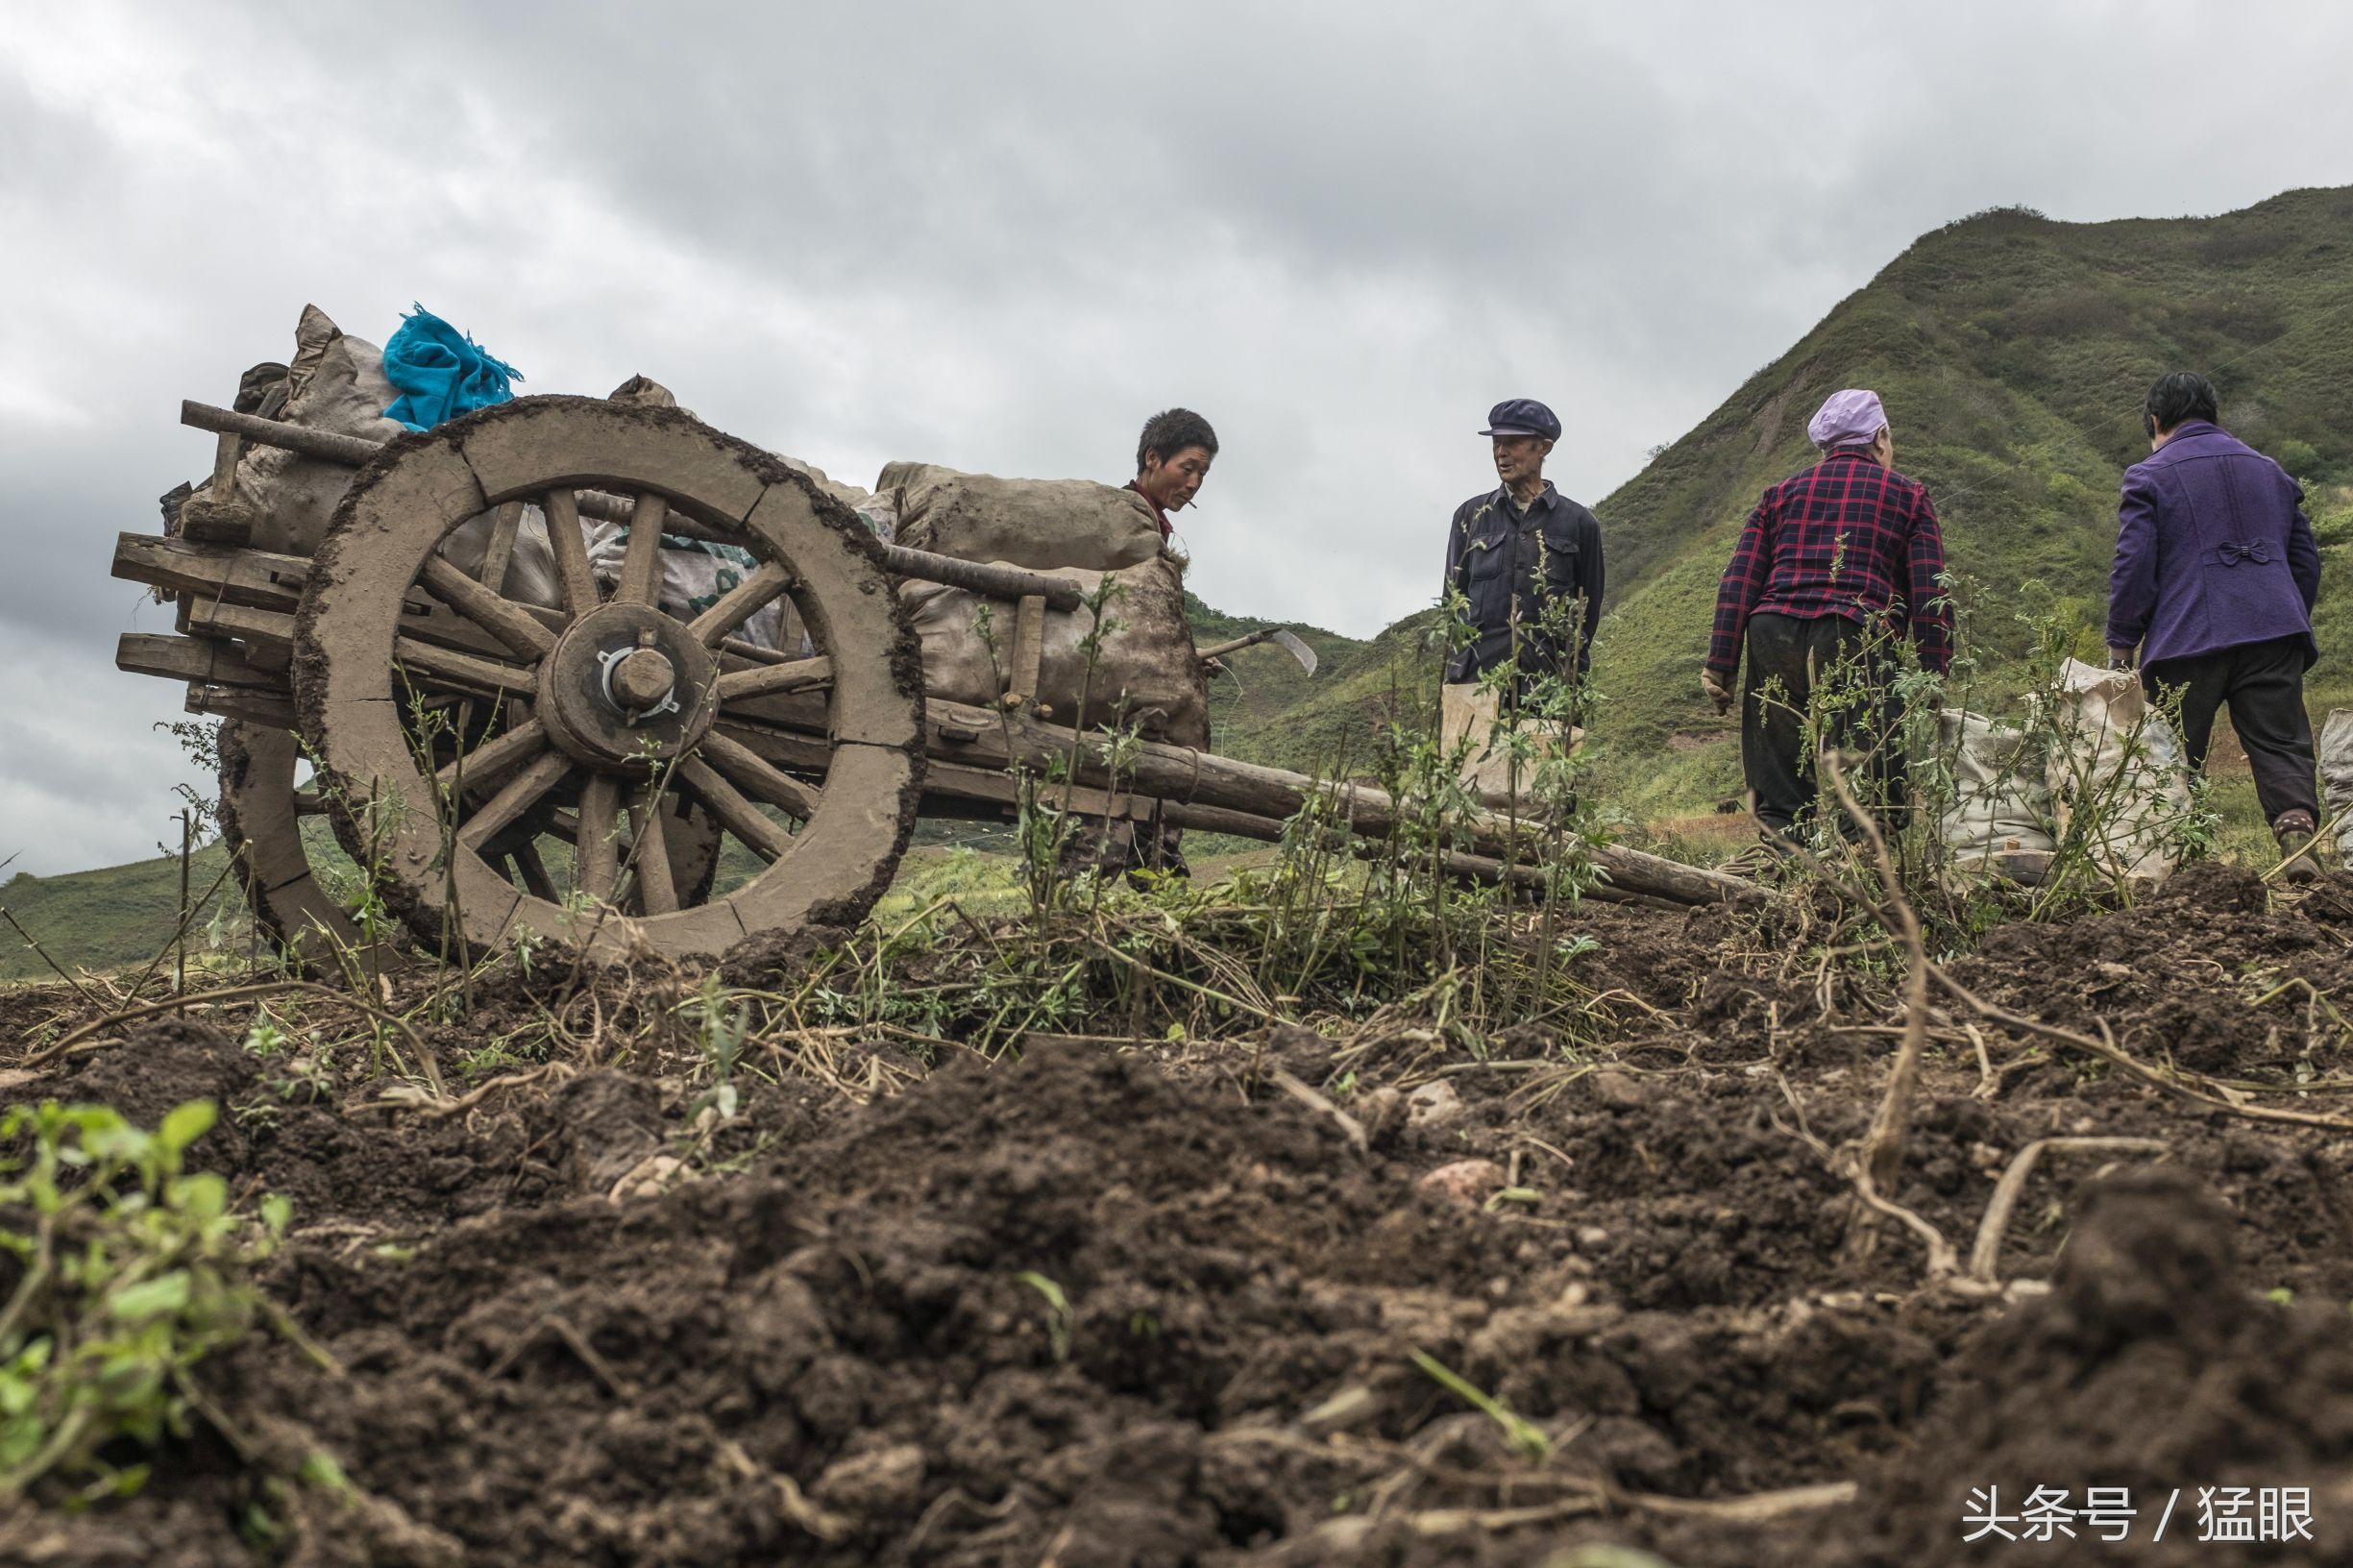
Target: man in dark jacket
2214, 577
1834, 565
1518, 549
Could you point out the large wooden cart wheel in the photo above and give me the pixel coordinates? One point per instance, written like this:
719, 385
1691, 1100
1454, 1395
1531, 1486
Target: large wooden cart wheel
607, 721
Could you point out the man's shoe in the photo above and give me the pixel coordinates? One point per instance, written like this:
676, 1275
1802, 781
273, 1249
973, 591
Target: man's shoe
2298, 867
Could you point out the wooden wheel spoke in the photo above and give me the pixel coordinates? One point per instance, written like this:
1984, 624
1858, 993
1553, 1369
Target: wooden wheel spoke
593, 844
780, 747
774, 679
757, 777
579, 584
502, 546
496, 758
733, 812
503, 618
740, 603
467, 672
657, 884
515, 797
534, 872
641, 564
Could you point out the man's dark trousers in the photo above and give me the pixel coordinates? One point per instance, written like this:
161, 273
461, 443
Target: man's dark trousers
1793, 655
2264, 684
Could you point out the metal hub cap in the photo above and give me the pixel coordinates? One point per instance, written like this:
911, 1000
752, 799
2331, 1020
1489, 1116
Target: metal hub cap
626, 688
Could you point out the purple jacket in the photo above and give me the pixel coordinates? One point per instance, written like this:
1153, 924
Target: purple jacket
2212, 550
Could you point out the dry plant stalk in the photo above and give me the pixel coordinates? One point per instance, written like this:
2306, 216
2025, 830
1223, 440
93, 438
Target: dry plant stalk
2013, 1184
1873, 1167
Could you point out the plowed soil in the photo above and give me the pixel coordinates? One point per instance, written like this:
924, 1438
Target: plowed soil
1105, 1305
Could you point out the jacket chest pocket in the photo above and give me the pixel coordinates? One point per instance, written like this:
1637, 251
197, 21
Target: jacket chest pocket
1487, 556
1559, 562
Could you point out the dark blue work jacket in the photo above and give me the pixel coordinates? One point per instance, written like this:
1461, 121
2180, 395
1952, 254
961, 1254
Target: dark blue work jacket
1506, 562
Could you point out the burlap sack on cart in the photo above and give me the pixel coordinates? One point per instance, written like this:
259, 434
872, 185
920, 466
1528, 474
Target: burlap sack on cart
2000, 814
2117, 758
1146, 675
1469, 712
1044, 525
335, 383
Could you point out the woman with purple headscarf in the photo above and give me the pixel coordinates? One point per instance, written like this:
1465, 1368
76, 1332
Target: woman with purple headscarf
1834, 567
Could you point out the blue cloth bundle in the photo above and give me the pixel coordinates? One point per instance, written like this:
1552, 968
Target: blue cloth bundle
441, 372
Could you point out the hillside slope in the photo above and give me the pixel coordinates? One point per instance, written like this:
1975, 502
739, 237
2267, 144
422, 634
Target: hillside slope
2012, 352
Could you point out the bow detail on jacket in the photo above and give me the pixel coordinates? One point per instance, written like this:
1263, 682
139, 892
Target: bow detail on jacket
2255, 549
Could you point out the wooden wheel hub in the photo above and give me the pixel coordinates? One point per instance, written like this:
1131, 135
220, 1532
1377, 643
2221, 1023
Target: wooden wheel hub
624, 689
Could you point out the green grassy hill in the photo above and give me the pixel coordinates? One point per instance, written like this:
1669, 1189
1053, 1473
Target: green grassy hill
116, 917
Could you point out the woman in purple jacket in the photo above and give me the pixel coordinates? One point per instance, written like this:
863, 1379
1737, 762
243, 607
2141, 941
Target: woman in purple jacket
2214, 577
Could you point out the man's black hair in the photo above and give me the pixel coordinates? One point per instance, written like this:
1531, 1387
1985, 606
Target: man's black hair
2183, 395
1171, 432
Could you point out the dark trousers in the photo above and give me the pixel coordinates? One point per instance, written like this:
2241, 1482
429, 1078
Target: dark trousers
1792, 662
2264, 684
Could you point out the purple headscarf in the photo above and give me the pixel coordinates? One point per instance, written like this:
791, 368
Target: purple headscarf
1852, 418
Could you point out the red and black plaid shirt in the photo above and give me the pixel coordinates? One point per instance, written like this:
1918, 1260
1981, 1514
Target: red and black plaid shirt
1846, 537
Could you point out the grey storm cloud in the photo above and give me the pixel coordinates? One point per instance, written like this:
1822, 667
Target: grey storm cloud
997, 236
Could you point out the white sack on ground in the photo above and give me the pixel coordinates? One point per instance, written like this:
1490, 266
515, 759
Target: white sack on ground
2117, 758
1469, 710
1147, 673
2000, 814
1044, 525
2336, 774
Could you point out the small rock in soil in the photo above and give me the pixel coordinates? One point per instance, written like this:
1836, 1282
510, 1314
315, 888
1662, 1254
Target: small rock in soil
1465, 1182
1434, 1105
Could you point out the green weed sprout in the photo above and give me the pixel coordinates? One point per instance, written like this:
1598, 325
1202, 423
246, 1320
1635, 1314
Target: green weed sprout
1521, 1433
132, 1274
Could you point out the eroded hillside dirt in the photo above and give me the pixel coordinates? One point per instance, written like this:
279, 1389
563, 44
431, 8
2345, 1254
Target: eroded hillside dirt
1152, 1305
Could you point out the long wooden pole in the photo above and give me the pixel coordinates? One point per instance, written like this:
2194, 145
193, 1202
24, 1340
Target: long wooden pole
1186, 778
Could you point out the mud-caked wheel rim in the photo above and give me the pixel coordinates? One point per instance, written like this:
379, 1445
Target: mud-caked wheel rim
261, 815
612, 712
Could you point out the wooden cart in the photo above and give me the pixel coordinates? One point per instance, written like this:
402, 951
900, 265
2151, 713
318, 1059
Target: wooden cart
497, 768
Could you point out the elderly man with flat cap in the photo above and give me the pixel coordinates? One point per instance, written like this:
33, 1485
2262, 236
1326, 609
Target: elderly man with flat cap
1835, 566
1517, 548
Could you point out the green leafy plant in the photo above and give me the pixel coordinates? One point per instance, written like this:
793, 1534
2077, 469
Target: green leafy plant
128, 1273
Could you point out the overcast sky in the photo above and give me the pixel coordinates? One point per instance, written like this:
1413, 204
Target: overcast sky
998, 235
